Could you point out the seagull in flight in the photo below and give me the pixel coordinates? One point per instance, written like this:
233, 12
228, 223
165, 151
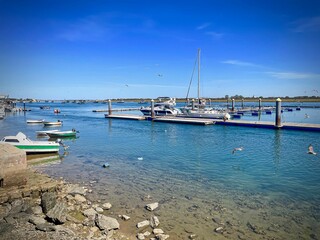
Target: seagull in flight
237, 149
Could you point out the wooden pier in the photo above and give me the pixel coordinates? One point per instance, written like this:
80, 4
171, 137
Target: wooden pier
202, 121
194, 121
117, 110
125, 116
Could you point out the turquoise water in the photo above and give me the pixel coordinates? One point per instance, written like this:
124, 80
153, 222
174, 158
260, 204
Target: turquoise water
273, 184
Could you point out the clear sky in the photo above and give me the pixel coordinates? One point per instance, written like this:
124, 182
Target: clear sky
94, 49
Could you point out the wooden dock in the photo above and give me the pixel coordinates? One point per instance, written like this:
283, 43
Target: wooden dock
117, 110
125, 116
194, 121
203, 121
271, 125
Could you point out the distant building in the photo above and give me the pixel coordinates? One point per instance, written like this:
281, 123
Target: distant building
3, 97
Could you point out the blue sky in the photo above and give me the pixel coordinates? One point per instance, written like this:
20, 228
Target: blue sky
81, 49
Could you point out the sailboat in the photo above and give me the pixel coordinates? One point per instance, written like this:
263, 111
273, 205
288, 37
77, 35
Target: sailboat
198, 109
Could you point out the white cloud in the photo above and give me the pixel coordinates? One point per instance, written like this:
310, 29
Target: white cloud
293, 75
203, 26
307, 25
215, 35
88, 30
241, 63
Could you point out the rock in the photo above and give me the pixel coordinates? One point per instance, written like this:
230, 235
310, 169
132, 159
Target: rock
152, 206
62, 229
99, 210
147, 233
79, 198
37, 210
162, 237
48, 201
58, 214
125, 217
106, 223
154, 221
37, 220
143, 224
73, 190
106, 206
193, 236
45, 227
140, 236
157, 231
89, 212
219, 230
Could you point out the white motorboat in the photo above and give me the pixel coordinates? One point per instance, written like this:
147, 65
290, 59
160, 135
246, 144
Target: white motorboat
22, 142
165, 108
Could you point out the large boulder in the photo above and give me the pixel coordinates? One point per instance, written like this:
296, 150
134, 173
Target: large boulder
106, 223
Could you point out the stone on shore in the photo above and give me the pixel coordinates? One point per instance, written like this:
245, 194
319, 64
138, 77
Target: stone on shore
157, 231
154, 221
106, 206
143, 224
48, 201
58, 214
106, 223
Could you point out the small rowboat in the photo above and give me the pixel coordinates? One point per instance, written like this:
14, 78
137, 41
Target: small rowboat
35, 121
58, 123
45, 133
61, 134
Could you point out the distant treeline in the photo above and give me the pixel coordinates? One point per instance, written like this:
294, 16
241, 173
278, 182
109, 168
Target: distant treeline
221, 99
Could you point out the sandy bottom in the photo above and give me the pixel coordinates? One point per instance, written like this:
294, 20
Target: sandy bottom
197, 207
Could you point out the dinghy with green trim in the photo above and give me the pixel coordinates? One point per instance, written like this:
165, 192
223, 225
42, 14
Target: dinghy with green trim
62, 134
24, 143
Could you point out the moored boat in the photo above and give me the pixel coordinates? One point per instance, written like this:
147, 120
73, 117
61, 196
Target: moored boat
57, 123
61, 134
35, 121
45, 133
22, 142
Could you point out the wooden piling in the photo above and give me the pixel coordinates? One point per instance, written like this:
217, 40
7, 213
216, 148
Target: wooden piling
242, 103
259, 104
278, 113
232, 108
109, 107
152, 109
192, 102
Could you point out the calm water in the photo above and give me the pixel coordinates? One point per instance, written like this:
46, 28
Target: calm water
270, 190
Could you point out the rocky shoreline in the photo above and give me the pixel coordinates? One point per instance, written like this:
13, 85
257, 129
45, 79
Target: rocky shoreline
44, 208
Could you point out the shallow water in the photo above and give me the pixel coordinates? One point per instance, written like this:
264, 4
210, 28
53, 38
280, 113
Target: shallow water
270, 190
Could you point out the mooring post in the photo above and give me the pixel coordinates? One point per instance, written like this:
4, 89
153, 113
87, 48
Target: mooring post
109, 107
232, 108
278, 112
242, 103
192, 104
259, 104
152, 108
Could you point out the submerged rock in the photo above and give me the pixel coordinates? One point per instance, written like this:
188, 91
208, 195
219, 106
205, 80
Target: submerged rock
152, 206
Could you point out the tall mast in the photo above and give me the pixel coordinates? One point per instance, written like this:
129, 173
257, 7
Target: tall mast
199, 75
